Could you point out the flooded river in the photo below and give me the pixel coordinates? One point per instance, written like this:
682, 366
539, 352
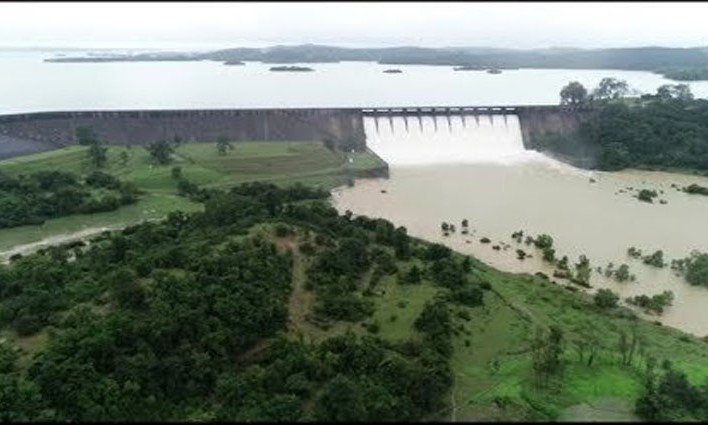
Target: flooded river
539, 195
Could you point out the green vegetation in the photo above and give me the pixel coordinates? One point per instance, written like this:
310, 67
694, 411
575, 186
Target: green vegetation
291, 68
208, 316
685, 74
694, 268
665, 130
647, 195
696, 189
161, 151
656, 259
605, 298
634, 252
188, 319
633, 58
655, 303
671, 397
42, 195
573, 95
199, 163
622, 273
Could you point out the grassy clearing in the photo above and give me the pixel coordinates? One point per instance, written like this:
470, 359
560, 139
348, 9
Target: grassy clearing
604, 391
396, 320
200, 163
278, 162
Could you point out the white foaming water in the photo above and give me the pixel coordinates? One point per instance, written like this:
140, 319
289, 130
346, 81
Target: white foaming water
422, 140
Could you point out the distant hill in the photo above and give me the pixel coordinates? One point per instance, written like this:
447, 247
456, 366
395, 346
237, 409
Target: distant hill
657, 59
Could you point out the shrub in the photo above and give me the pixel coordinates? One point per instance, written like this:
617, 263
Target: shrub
605, 299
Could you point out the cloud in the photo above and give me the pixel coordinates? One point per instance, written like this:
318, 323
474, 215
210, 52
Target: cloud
522, 25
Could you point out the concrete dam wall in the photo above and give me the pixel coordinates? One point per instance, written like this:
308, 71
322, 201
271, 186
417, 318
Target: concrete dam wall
22, 134
539, 121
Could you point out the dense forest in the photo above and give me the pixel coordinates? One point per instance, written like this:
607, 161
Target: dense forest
670, 61
43, 195
162, 321
668, 129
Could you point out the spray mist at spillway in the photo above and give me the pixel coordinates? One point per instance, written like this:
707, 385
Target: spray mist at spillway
428, 139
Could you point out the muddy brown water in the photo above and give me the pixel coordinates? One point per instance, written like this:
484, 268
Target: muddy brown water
539, 195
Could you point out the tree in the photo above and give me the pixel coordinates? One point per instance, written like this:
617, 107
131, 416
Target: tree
329, 144
97, 153
467, 264
680, 92
605, 298
341, 400
573, 95
413, 275
582, 270
611, 88
622, 273
543, 241
223, 145
615, 156
124, 157
547, 355
176, 172
656, 259
697, 270
161, 151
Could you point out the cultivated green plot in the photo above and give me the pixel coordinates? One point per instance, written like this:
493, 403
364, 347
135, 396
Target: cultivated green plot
200, 163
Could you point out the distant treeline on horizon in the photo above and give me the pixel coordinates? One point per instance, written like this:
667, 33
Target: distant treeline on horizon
675, 63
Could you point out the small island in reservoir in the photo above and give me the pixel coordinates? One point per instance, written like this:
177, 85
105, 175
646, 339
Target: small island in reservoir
291, 68
234, 62
468, 68
392, 71
494, 71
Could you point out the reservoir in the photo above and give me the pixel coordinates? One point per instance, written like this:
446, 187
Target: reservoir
28, 84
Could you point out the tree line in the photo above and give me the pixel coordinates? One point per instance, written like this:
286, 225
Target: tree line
664, 129
39, 196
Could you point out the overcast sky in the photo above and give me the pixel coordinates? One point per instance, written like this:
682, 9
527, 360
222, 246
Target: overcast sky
216, 25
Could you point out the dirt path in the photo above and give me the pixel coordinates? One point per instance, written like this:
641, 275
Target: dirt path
29, 248
301, 299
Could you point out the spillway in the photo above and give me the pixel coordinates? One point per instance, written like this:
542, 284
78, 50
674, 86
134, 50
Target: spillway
436, 139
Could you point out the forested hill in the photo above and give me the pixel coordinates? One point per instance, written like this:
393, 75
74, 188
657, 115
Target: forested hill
640, 58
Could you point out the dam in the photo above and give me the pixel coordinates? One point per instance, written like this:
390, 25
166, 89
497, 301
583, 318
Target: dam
400, 135
430, 139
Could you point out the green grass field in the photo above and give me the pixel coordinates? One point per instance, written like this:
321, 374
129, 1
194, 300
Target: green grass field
277, 162
604, 391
